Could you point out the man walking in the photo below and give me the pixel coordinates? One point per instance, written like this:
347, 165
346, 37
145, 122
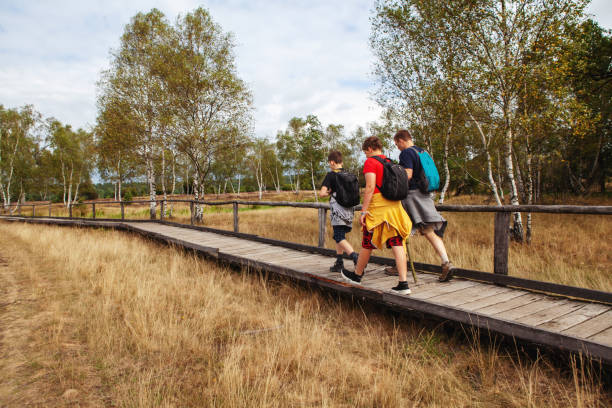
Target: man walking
419, 205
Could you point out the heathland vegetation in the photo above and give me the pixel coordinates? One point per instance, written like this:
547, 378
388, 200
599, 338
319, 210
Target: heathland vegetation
100, 318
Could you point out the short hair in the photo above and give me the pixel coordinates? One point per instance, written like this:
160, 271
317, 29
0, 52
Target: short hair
402, 134
335, 156
373, 143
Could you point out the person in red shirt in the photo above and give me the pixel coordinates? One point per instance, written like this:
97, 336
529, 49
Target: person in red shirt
383, 221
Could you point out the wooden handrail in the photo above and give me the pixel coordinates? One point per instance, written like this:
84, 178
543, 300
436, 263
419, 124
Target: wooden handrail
501, 225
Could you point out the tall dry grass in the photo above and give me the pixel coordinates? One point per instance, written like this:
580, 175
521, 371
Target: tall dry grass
101, 318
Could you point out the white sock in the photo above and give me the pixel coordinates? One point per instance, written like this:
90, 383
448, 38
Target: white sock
444, 259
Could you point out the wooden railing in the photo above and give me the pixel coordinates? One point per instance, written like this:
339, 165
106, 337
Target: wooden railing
501, 224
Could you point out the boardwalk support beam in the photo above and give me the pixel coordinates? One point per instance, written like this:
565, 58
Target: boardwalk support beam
500, 247
322, 215
235, 208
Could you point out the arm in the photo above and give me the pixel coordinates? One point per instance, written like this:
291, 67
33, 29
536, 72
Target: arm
409, 173
324, 192
367, 195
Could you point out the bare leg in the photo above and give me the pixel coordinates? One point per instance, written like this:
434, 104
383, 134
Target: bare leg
362, 262
437, 243
344, 246
399, 253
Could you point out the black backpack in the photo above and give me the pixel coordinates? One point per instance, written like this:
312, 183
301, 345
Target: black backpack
394, 181
347, 189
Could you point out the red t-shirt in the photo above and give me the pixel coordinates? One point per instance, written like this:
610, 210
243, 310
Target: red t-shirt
374, 166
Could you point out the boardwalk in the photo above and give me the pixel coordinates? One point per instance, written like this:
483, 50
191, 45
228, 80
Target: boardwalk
555, 321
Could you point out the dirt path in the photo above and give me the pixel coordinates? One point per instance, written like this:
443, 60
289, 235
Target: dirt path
42, 362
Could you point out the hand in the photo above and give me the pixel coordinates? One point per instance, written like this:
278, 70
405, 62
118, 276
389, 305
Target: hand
362, 219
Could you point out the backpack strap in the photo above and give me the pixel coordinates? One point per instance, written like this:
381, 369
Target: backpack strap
381, 161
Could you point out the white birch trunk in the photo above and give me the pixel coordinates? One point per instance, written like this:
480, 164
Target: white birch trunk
485, 144
314, 188
445, 162
197, 189
151, 181
517, 229
64, 182
70, 185
163, 180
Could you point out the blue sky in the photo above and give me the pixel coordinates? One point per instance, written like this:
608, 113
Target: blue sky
298, 57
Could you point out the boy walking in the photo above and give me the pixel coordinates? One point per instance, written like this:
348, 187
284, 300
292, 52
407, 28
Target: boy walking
384, 221
341, 217
419, 205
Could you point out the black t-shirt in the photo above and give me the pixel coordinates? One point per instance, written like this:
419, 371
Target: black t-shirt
330, 181
409, 159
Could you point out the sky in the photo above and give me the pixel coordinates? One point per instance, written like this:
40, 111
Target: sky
298, 57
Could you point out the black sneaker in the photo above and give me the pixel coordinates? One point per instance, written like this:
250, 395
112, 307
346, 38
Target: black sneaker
336, 267
401, 288
351, 277
354, 257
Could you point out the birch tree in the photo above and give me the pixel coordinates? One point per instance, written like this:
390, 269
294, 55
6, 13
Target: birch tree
212, 105
16, 139
135, 80
72, 152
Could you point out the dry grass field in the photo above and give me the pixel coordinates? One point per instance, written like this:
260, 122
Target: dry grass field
103, 318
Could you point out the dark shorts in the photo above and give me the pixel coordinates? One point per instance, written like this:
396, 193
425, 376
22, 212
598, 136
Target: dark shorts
340, 231
366, 241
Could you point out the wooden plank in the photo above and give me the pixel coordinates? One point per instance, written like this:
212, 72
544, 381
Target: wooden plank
578, 316
543, 316
493, 299
510, 304
604, 337
243, 249
540, 305
592, 326
442, 288
270, 255
468, 295
384, 284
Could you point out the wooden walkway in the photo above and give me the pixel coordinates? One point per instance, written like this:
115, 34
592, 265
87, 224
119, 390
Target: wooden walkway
555, 321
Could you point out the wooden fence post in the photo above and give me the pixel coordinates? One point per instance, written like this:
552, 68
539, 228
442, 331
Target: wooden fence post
19, 209
322, 214
122, 211
501, 240
191, 211
93, 211
49, 208
235, 207
33, 210
70, 210
163, 210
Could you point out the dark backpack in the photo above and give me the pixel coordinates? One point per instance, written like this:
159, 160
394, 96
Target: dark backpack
347, 189
394, 181
429, 179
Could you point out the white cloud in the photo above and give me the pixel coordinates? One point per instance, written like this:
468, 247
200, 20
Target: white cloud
298, 57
